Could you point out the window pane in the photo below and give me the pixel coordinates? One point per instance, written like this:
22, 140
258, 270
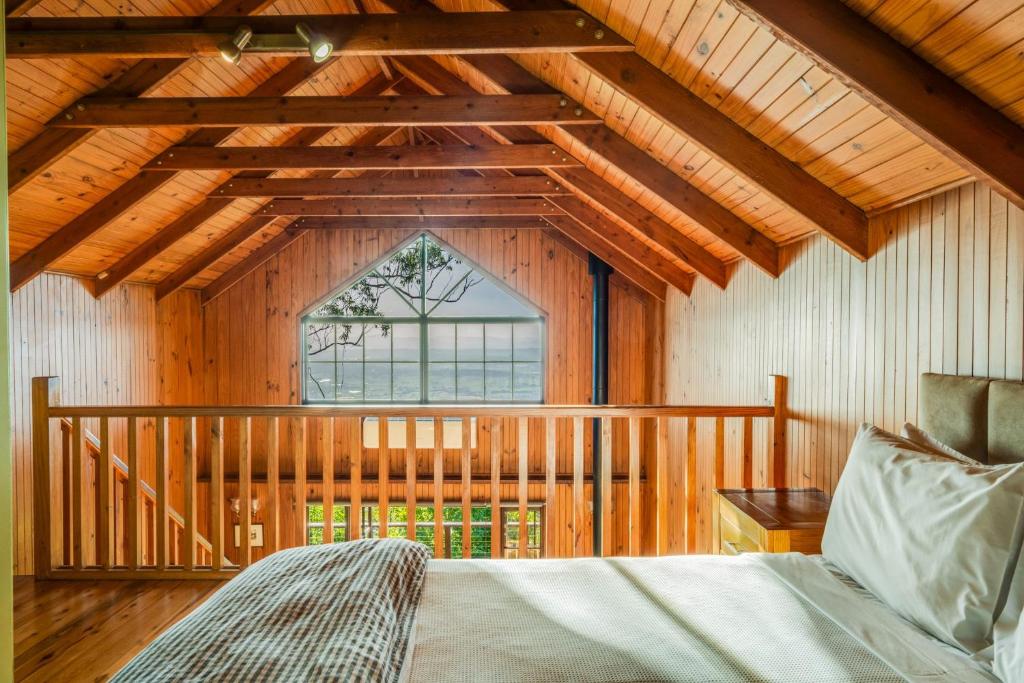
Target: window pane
406, 382
526, 340
378, 381
471, 381
499, 381
499, 341
444, 272
470, 343
441, 340
350, 382
404, 272
350, 342
378, 342
320, 381
320, 342
442, 382
527, 380
406, 340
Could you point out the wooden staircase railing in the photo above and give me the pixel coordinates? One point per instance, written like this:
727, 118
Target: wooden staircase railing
458, 456
74, 540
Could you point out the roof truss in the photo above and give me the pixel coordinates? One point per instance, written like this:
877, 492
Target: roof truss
351, 35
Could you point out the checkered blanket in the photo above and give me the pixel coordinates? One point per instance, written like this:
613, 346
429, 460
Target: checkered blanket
321, 613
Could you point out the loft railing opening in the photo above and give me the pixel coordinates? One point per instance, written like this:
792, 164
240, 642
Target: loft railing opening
203, 491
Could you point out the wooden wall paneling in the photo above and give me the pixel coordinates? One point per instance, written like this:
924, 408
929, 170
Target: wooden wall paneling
941, 293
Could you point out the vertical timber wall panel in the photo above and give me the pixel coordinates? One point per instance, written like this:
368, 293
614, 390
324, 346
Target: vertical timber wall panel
942, 292
108, 351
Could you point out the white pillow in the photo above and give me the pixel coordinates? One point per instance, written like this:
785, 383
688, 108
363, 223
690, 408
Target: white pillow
919, 437
936, 540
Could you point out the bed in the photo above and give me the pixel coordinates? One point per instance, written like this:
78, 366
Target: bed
383, 610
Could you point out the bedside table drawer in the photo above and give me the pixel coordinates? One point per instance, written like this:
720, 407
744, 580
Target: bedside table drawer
733, 542
738, 528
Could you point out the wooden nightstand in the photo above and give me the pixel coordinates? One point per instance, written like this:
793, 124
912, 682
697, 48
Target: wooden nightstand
769, 520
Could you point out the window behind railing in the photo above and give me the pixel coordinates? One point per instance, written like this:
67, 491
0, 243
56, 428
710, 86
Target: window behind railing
480, 521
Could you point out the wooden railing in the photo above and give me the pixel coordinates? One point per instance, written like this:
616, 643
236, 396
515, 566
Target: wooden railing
109, 518
79, 527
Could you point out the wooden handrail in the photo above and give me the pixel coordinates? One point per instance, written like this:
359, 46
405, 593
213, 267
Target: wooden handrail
430, 411
556, 438
121, 469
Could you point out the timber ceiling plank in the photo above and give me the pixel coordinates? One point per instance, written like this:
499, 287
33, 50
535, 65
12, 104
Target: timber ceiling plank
389, 187
34, 156
365, 158
598, 190
198, 112
727, 141
121, 200
903, 85
250, 263
351, 35
444, 206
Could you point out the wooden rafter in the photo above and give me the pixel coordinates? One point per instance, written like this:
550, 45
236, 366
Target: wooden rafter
391, 187
250, 263
437, 206
903, 85
694, 255
362, 158
43, 150
233, 112
351, 35
206, 258
474, 222
121, 200
721, 137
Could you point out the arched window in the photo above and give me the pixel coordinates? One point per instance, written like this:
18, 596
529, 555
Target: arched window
423, 325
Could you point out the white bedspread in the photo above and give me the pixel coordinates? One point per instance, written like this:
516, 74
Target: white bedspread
695, 618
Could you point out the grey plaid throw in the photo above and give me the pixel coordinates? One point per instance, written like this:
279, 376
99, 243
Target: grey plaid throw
339, 612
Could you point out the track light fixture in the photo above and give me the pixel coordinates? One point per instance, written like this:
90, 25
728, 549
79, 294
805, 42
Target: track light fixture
319, 47
231, 50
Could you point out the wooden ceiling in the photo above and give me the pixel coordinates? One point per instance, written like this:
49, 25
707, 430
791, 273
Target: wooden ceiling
670, 137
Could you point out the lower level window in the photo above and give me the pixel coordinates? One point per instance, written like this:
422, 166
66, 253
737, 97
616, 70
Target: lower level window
480, 522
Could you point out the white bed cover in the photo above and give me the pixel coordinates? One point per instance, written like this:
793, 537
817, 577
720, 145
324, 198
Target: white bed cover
702, 618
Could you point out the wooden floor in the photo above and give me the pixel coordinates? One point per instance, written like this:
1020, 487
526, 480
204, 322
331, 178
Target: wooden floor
72, 631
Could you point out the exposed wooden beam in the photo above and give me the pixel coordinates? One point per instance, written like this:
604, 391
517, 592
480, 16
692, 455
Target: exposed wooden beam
445, 206
203, 260
595, 243
605, 142
380, 158
214, 112
474, 222
352, 35
182, 226
597, 189
16, 8
903, 85
595, 223
389, 187
34, 156
250, 263
727, 141
121, 200
663, 182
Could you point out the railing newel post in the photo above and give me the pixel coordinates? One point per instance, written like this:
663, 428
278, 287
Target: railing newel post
778, 469
45, 394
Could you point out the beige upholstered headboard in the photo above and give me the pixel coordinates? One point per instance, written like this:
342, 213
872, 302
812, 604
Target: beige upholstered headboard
982, 418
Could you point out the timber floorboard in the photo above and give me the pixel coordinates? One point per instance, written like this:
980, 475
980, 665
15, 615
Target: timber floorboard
72, 631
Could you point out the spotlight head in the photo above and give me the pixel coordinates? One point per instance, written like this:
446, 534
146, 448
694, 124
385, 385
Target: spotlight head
319, 47
231, 50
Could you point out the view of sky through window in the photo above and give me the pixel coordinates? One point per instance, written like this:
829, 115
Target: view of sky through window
424, 325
